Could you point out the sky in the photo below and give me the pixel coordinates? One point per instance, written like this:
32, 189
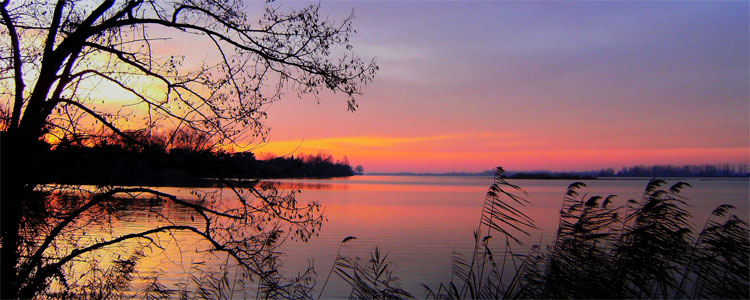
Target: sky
574, 85
467, 86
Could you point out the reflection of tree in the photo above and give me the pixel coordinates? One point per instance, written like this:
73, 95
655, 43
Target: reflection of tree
61, 63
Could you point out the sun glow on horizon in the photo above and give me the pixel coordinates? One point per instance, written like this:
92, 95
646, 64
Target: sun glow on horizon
482, 151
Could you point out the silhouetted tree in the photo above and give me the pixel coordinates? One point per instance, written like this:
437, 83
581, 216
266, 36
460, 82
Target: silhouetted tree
62, 60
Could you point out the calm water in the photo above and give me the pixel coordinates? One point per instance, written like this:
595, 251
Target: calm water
421, 221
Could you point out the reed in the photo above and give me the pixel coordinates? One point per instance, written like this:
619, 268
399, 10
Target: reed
370, 280
644, 249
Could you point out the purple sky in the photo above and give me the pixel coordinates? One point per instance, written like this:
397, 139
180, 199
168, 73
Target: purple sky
467, 86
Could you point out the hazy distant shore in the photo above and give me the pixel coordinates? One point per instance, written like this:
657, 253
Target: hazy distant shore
661, 171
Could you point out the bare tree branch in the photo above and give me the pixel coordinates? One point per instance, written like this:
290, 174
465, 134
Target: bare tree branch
17, 68
67, 49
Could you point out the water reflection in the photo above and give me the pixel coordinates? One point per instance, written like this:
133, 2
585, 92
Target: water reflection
181, 238
422, 221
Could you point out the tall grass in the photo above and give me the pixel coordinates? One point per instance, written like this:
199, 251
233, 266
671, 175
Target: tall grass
644, 249
370, 280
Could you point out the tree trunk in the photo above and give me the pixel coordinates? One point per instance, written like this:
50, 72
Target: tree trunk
11, 190
17, 154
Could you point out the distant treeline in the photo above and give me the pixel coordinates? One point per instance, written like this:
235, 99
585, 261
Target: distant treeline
119, 165
722, 170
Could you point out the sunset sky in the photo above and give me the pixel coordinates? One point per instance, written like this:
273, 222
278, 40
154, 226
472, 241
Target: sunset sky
467, 86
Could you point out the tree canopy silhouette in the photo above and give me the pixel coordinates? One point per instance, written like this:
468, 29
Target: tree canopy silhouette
78, 70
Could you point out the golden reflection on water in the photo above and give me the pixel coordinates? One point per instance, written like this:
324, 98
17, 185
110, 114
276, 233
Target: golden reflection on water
421, 221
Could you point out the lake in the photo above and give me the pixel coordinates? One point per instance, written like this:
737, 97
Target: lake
420, 221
